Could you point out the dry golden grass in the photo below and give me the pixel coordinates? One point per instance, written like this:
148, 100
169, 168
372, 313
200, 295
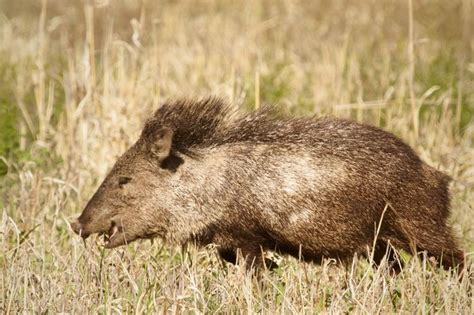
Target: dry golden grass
78, 78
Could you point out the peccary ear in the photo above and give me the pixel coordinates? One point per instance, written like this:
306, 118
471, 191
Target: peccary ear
160, 145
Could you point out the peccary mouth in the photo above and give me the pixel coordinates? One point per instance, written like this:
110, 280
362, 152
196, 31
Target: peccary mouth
113, 237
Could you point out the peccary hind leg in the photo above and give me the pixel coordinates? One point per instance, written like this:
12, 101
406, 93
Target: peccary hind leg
384, 250
443, 248
437, 241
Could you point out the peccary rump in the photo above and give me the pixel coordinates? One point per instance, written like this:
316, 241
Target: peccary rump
309, 187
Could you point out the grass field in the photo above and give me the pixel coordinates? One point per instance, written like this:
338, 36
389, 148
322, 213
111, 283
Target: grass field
77, 79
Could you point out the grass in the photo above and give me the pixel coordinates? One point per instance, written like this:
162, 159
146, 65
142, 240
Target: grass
77, 79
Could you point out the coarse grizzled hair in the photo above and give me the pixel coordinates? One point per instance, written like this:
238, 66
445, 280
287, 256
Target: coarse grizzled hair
211, 122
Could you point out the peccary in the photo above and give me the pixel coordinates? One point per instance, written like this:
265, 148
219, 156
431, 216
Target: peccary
309, 187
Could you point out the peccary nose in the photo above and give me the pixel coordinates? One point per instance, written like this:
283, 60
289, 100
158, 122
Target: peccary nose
78, 229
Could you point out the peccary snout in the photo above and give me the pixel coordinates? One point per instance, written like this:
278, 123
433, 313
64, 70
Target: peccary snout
77, 228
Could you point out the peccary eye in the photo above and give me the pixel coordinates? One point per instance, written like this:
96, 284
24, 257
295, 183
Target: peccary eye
123, 180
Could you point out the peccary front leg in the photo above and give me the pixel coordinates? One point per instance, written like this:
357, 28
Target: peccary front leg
228, 254
250, 256
254, 258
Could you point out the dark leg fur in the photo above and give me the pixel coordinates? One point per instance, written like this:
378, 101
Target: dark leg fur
383, 249
253, 258
228, 254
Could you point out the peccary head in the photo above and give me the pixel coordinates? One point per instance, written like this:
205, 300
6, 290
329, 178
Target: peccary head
127, 205
136, 198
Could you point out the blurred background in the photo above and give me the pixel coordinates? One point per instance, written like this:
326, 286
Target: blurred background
77, 79
67, 64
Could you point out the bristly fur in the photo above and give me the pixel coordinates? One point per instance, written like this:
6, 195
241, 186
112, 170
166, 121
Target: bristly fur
309, 187
211, 122
194, 123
